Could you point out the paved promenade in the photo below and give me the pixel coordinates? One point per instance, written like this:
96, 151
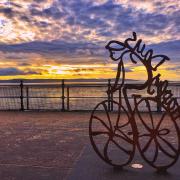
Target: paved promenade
55, 146
40, 145
91, 167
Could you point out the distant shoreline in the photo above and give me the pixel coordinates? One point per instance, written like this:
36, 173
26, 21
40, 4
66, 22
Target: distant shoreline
69, 81
57, 80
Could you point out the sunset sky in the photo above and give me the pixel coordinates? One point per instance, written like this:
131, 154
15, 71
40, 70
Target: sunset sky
55, 39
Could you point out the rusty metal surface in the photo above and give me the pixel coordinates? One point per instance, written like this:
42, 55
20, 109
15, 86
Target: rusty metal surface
158, 139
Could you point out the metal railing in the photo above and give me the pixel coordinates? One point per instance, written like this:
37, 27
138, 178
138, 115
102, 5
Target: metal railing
62, 96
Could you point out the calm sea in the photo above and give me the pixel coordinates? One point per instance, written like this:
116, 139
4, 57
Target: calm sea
82, 95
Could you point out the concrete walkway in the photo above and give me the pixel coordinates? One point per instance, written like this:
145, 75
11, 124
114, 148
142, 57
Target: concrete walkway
40, 145
91, 167
55, 146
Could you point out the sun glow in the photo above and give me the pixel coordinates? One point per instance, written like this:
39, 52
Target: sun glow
85, 71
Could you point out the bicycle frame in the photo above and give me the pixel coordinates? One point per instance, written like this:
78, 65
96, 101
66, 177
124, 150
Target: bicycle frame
164, 97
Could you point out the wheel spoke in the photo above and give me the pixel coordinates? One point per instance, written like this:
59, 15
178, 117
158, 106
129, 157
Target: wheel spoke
158, 125
156, 152
125, 137
123, 124
107, 113
119, 116
163, 132
150, 113
103, 123
144, 135
95, 133
126, 151
165, 152
169, 145
145, 125
106, 151
147, 145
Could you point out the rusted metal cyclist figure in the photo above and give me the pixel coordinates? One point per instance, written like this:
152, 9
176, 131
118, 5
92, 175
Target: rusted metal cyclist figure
116, 135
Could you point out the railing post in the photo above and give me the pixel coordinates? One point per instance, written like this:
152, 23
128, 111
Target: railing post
109, 95
27, 97
63, 97
68, 98
21, 95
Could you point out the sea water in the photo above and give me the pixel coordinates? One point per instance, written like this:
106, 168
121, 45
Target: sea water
77, 96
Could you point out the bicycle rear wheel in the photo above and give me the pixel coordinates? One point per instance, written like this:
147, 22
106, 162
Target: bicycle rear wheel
111, 134
159, 135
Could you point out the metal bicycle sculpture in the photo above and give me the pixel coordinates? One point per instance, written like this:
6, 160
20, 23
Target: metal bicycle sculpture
115, 135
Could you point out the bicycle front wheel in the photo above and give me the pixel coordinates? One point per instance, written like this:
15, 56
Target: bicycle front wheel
159, 135
111, 134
